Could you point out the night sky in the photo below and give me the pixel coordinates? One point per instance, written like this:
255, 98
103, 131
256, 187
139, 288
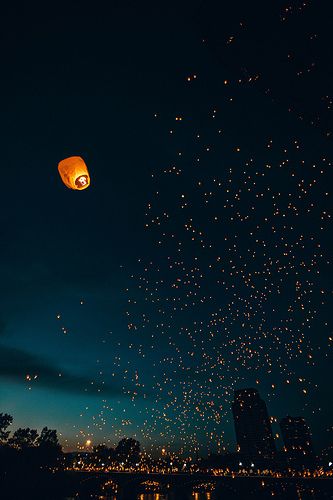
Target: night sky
199, 259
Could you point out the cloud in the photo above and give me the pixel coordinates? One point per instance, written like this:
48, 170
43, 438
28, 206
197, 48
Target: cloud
16, 364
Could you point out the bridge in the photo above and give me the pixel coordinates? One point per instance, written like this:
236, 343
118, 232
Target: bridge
129, 485
182, 486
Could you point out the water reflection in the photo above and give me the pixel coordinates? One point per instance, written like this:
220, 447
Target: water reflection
152, 496
237, 490
159, 496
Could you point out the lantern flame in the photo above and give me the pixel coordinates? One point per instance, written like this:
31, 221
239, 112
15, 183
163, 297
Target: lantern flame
74, 173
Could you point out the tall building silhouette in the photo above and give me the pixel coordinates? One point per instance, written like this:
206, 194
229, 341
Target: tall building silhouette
297, 441
252, 425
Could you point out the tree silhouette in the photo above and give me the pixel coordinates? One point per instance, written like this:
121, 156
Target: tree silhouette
5, 421
49, 450
29, 463
24, 438
104, 455
128, 451
48, 437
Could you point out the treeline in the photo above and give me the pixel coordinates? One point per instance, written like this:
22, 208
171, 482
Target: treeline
33, 465
26, 450
126, 453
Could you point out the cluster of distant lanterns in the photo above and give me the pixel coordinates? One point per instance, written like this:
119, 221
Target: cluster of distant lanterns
74, 173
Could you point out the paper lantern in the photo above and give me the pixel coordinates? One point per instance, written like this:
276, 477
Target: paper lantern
74, 173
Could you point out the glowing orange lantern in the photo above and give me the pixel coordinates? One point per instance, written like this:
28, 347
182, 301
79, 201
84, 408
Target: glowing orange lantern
74, 173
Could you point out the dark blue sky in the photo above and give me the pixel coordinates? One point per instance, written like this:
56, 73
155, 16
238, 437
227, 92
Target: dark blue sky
168, 326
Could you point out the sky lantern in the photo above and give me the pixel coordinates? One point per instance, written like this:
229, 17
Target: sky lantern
74, 173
